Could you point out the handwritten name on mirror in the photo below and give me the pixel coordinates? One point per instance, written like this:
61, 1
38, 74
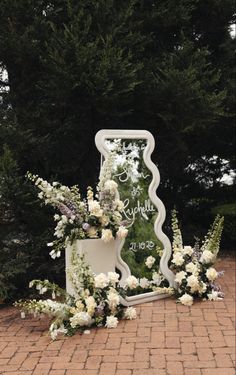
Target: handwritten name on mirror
134, 178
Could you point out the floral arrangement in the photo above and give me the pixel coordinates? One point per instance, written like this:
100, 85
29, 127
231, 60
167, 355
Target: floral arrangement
195, 276
98, 216
96, 302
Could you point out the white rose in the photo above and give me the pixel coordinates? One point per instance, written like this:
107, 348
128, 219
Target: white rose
101, 281
192, 268
186, 299
193, 283
113, 277
180, 276
107, 235
211, 274
113, 299
207, 257
144, 283
178, 259
188, 250
150, 261
111, 185
132, 282
130, 313
122, 232
111, 322
81, 319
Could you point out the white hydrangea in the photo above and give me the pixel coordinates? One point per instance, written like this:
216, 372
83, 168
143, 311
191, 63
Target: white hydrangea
180, 276
192, 268
150, 261
211, 274
207, 257
193, 283
130, 313
101, 281
81, 319
186, 299
122, 232
132, 282
178, 259
111, 322
107, 235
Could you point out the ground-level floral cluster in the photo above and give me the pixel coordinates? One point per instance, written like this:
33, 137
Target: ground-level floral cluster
195, 276
96, 301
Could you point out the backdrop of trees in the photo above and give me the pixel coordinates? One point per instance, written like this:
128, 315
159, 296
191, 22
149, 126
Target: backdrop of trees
77, 66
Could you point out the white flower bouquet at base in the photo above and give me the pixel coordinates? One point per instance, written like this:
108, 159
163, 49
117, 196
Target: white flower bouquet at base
195, 276
95, 304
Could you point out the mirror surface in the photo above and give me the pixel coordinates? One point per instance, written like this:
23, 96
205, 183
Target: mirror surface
147, 249
133, 179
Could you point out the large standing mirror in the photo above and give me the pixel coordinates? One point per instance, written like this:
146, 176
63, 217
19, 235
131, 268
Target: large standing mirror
138, 178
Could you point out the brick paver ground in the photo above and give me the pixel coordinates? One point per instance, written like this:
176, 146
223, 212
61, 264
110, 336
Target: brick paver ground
165, 339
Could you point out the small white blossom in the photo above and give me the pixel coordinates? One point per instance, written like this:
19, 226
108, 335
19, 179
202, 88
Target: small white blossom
192, 268
178, 259
150, 261
186, 300
111, 185
157, 278
95, 208
207, 257
132, 282
101, 281
119, 205
130, 313
113, 299
113, 277
81, 319
122, 232
213, 296
107, 235
211, 274
188, 250
193, 283
111, 322
180, 276
144, 283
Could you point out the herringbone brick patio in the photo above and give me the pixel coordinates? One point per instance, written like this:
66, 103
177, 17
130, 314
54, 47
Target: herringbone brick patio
166, 339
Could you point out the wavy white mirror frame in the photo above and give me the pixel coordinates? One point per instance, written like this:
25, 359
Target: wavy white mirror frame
107, 134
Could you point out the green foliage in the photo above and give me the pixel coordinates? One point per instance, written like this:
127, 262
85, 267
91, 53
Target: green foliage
229, 213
